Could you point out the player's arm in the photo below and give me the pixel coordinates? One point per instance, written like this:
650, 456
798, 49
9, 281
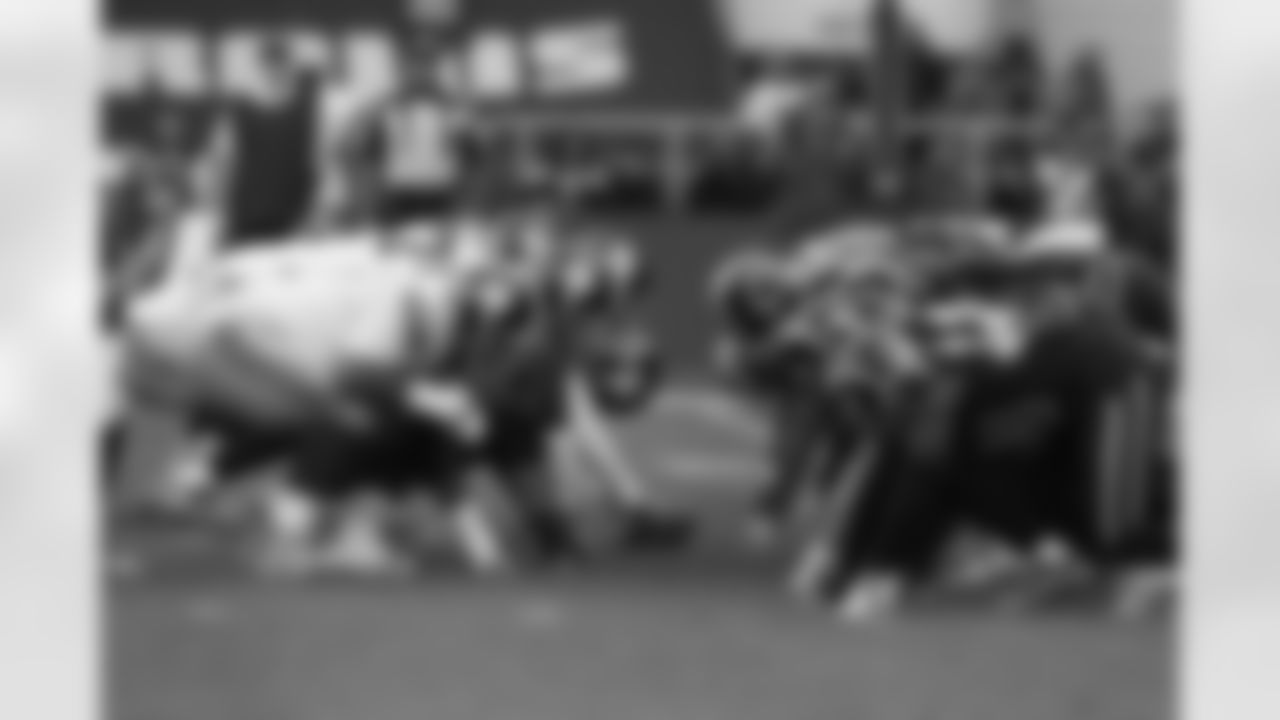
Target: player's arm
331, 162
343, 146
433, 389
211, 174
449, 403
214, 165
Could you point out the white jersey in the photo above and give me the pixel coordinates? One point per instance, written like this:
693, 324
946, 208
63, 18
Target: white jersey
337, 311
848, 250
316, 312
174, 317
420, 150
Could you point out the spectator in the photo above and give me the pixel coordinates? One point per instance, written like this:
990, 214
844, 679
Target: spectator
1083, 114
265, 158
1141, 192
1018, 76
812, 170
1012, 193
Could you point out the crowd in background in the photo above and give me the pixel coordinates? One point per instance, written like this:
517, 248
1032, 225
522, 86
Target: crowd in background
808, 141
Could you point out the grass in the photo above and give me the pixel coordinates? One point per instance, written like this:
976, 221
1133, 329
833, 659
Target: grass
706, 635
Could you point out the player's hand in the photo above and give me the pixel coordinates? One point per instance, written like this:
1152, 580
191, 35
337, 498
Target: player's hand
452, 406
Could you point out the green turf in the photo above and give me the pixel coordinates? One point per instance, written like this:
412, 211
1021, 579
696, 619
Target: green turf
582, 649
705, 635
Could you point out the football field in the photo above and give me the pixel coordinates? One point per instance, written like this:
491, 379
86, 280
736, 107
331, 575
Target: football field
703, 634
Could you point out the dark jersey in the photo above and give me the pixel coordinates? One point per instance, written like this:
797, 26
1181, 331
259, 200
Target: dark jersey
816, 194
155, 122
516, 366
274, 171
1141, 209
125, 219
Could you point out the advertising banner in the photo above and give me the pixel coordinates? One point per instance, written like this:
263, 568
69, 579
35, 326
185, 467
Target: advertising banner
616, 56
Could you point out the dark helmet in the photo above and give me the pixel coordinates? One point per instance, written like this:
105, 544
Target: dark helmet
752, 292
